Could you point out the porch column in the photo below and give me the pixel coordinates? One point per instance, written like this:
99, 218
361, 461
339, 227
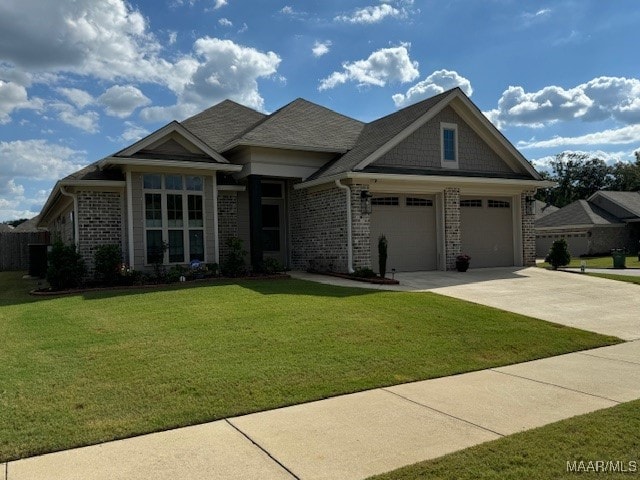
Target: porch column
254, 188
452, 226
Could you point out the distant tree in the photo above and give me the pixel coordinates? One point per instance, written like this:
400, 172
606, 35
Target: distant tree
626, 176
15, 223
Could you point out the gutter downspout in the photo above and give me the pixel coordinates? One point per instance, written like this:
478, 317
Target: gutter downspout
349, 240
76, 226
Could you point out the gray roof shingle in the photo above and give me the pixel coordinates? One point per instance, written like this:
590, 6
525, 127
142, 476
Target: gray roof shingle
92, 172
304, 125
629, 201
579, 212
218, 125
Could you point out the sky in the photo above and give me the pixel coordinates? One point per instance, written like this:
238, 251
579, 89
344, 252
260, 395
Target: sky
81, 79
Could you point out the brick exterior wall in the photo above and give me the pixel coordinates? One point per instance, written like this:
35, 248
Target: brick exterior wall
62, 228
227, 220
421, 149
528, 232
100, 223
360, 229
318, 226
452, 240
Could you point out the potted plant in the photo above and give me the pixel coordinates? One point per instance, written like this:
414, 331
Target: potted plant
462, 262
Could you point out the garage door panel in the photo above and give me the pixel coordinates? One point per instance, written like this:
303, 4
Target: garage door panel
487, 232
410, 233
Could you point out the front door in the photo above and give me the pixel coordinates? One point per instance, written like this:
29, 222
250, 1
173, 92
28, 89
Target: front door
273, 221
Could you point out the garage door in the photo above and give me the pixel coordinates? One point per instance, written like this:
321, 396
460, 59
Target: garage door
486, 228
578, 243
409, 223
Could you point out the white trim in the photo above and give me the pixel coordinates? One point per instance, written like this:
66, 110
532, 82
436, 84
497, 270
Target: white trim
349, 239
154, 162
444, 163
131, 243
216, 236
231, 188
445, 180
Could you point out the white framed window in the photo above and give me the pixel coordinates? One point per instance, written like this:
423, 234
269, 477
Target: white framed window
449, 145
390, 201
476, 202
498, 203
173, 214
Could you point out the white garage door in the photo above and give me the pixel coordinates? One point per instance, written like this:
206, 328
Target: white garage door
409, 223
578, 243
486, 228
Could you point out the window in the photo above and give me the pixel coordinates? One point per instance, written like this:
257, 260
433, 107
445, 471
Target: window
471, 203
165, 212
449, 145
384, 201
498, 204
418, 202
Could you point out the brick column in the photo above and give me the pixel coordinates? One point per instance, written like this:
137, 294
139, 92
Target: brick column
360, 229
528, 234
227, 220
451, 199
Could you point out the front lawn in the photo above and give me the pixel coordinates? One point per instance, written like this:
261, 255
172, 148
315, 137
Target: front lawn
567, 449
97, 366
598, 262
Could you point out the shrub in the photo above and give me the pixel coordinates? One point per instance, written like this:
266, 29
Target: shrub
382, 255
271, 266
233, 265
213, 268
174, 273
364, 273
108, 259
66, 267
559, 255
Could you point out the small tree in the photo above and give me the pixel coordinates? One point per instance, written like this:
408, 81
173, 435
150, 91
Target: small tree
66, 267
559, 255
382, 255
233, 264
108, 259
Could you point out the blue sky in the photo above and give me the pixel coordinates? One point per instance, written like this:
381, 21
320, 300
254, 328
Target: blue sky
80, 79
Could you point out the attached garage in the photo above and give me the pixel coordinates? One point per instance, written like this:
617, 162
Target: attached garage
409, 223
486, 230
577, 242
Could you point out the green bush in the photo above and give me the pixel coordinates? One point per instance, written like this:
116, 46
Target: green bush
233, 264
559, 255
108, 260
271, 266
382, 255
364, 273
66, 267
174, 273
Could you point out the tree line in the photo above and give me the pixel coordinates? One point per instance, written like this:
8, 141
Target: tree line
579, 175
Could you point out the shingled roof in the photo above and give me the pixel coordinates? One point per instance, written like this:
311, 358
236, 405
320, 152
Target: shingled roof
579, 212
218, 125
629, 201
93, 172
302, 125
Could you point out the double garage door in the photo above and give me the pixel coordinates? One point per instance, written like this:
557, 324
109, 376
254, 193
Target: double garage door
409, 223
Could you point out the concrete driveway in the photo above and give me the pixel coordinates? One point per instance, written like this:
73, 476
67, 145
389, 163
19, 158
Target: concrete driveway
590, 303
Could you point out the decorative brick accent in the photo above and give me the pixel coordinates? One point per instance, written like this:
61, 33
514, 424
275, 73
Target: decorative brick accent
360, 229
452, 246
227, 220
100, 223
528, 233
318, 225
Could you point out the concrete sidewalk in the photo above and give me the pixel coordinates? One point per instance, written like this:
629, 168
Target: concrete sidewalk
355, 436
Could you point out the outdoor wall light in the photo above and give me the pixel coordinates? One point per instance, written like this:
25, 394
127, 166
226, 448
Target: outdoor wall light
529, 206
365, 201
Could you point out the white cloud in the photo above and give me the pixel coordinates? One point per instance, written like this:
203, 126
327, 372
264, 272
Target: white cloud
598, 99
173, 37
438, 82
321, 48
616, 136
382, 66
78, 97
86, 121
123, 101
372, 14
219, 4
14, 97
225, 22
223, 70
38, 160
11, 189
131, 134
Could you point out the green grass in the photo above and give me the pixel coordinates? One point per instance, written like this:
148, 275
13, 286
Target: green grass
86, 368
598, 262
543, 453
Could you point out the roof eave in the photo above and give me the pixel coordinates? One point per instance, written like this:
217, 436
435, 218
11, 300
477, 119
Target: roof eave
304, 148
151, 162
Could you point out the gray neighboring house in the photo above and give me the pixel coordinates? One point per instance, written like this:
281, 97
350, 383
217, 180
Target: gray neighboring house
606, 220
311, 188
5, 228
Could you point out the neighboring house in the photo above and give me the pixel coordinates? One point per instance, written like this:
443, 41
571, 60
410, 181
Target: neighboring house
29, 226
310, 187
606, 220
5, 228
543, 209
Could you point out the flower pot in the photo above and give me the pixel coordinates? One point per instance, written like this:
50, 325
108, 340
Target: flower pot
462, 266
